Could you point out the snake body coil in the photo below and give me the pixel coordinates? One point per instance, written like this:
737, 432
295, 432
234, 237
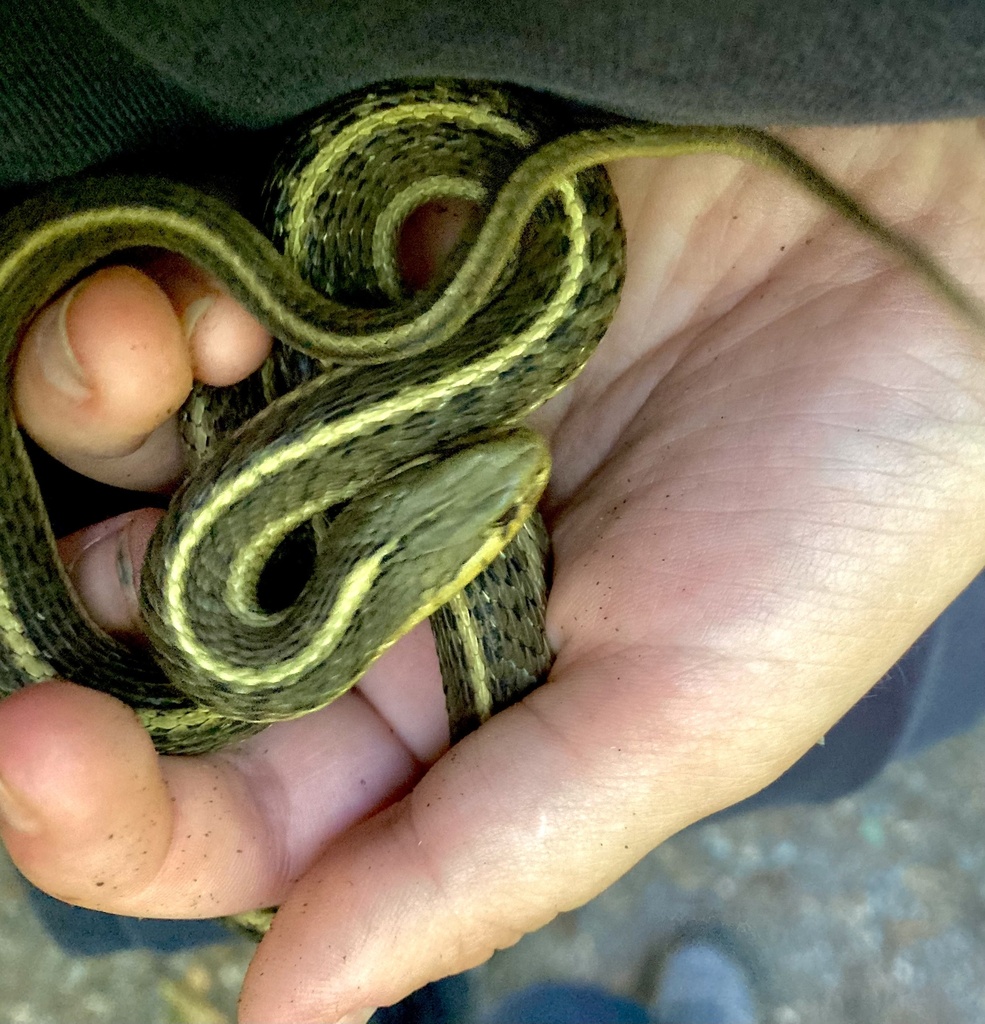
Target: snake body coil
416, 474
398, 450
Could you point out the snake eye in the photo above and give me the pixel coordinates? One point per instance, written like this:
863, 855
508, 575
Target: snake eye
509, 516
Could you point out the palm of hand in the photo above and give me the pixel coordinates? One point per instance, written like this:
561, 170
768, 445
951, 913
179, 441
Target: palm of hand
765, 487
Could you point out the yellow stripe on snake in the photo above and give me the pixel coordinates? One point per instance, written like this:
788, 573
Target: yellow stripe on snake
381, 454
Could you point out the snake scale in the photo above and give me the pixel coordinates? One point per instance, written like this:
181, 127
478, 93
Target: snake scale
380, 455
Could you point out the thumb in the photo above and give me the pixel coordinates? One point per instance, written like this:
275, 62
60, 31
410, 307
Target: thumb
470, 860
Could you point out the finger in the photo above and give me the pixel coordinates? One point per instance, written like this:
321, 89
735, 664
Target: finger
94, 817
227, 343
98, 374
103, 370
103, 563
465, 865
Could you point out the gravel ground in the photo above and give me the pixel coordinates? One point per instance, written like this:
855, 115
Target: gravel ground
868, 911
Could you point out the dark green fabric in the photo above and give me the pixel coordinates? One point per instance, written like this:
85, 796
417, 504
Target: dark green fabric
84, 81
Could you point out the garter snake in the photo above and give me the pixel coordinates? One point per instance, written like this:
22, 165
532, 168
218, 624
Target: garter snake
391, 423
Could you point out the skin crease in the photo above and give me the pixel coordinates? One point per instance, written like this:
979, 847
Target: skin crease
767, 483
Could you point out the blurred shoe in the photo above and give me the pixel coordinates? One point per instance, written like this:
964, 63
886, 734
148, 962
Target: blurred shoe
703, 978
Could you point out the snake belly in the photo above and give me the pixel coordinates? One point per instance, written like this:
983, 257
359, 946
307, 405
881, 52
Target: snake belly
397, 451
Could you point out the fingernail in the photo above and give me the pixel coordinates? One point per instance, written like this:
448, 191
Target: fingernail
16, 811
194, 313
103, 575
58, 361
356, 1017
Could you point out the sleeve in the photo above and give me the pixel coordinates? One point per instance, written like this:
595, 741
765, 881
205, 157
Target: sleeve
85, 81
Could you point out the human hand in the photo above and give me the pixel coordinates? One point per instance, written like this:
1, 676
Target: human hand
766, 485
